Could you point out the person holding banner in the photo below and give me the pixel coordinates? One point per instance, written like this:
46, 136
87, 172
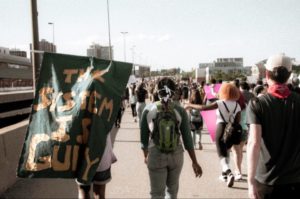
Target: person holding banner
227, 103
102, 176
211, 93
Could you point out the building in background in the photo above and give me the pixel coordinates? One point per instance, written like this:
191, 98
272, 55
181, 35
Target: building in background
259, 69
4, 50
44, 46
98, 51
141, 70
18, 52
15, 72
222, 65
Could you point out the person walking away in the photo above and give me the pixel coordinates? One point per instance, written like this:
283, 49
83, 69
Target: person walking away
120, 112
141, 94
226, 106
102, 176
133, 101
185, 92
273, 145
196, 119
295, 85
202, 90
237, 149
177, 95
163, 125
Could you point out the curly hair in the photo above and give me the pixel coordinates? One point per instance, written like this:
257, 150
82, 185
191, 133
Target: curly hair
229, 91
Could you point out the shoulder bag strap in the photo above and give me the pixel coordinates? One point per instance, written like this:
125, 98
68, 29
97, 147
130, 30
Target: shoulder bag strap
230, 114
222, 114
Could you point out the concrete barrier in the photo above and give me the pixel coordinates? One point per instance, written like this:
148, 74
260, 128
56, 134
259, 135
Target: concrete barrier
11, 142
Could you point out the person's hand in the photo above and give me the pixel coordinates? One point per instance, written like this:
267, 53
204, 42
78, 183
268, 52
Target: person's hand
252, 191
197, 169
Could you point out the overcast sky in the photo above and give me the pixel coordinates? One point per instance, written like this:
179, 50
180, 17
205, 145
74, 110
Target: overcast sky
165, 33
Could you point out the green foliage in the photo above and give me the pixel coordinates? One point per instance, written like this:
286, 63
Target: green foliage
228, 76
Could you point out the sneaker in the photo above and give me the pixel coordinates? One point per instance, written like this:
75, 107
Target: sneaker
223, 177
200, 146
230, 180
238, 177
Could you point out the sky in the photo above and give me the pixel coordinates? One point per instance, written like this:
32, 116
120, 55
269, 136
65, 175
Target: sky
161, 33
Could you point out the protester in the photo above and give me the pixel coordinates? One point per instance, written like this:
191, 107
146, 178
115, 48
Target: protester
165, 160
226, 105
151, 88
133, 101
120, 112
196, 119
273, 146
201, 90
127, 96
185, 92
102, 176
141, 94
212, 92
237, 149
295, 85
177, 96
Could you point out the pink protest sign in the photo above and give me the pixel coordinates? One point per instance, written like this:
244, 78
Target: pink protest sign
210, 119
208, 92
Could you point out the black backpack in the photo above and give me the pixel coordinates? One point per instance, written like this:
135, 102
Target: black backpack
232, 133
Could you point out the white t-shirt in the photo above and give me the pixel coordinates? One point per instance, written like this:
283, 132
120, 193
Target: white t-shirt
230, 105
108, 157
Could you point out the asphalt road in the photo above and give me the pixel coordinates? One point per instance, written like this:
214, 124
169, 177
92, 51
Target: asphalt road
130, 175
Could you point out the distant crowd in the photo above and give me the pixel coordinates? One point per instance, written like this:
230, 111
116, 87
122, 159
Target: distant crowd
263, 116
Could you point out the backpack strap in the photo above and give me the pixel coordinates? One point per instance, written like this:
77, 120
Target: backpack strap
227, 111
159, 106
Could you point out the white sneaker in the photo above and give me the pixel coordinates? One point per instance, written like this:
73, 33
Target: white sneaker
238, 177
223, 177
230, 180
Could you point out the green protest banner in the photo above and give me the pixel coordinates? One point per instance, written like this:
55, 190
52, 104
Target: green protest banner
76, 103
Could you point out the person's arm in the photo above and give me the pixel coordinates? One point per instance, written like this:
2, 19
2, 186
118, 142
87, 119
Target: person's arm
196, 167
253, 150
188, 142
199, 107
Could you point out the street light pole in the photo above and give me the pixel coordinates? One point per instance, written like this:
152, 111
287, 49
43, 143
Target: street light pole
35, 44
124, 41
52, 24
132, 50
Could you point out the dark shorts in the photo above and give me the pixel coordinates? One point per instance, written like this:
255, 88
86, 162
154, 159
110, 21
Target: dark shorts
196, 126
100, 178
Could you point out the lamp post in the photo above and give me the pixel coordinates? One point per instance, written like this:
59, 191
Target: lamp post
124, 41
52, 24
35, 44
132, 51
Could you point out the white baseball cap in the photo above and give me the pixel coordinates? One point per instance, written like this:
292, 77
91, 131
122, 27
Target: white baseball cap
277, 61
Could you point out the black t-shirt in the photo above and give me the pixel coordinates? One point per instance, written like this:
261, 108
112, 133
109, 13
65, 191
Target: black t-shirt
279, 161
185, 92
141, 95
